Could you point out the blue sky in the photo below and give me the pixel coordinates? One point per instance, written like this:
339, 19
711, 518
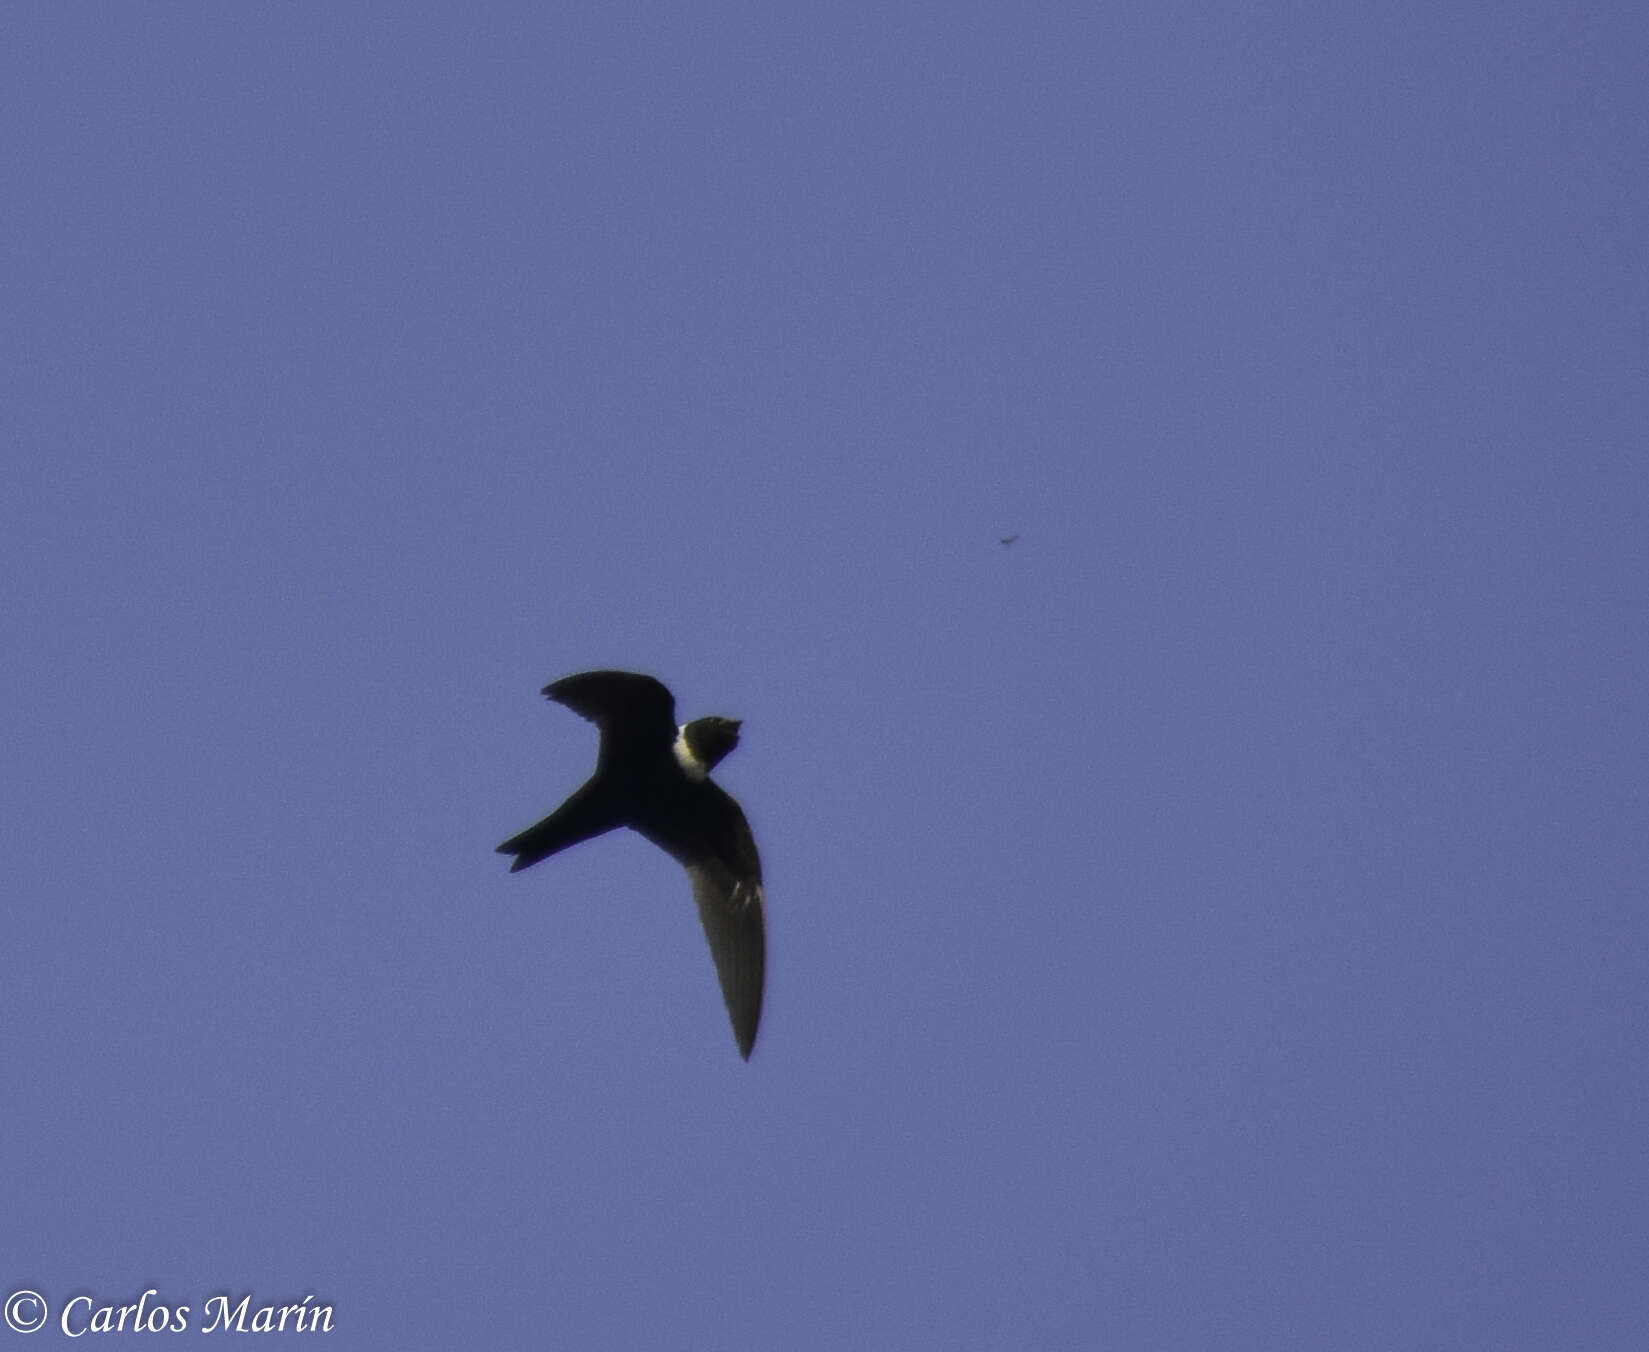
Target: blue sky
1214, 920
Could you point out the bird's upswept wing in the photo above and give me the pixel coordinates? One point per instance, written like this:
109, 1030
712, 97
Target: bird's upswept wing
631, 710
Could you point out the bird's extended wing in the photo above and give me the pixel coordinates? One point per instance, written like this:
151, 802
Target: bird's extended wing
727, 887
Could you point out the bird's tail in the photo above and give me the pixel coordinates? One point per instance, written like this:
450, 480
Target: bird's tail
586, 814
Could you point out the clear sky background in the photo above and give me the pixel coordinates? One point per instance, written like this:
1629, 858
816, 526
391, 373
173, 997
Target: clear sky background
1215, 920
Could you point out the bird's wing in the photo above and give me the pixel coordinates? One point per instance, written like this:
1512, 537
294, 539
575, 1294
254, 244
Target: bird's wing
632, 711
727, 886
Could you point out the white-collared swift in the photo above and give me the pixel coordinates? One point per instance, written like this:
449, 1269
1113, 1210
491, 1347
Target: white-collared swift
654, 777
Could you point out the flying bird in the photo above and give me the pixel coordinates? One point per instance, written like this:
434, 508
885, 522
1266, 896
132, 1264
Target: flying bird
1007, 540
653, 777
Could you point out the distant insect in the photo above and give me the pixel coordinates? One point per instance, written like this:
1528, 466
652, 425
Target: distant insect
653, 777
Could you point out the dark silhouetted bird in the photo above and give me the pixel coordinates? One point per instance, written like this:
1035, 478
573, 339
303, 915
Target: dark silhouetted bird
653, 777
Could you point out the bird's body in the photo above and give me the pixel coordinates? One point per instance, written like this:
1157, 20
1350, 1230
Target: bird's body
653, 777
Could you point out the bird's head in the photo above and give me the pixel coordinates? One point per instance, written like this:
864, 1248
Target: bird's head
705, 742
